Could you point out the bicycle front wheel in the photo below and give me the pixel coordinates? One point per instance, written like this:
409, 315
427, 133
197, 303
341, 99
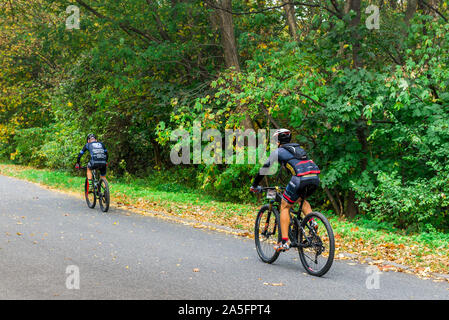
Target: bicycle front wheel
89, 194
267, 233
316, 244
103, 197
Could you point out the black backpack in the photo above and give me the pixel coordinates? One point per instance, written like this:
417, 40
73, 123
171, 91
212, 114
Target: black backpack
304, 165
296, 150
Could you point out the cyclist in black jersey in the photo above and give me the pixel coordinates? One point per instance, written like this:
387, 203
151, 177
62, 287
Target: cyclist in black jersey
98, 156
303, 183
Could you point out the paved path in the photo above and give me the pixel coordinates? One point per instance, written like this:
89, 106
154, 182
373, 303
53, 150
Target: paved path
122, 255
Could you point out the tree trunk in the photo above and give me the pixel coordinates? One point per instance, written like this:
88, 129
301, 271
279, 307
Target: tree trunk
290, 16
333, 201
351, 207
362, 138
412, 5
227, 33
354, 23
224, 18
157, 153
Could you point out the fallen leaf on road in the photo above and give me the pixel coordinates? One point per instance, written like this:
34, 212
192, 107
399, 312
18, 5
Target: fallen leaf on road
274, 284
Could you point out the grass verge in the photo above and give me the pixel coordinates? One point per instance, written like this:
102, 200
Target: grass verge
425, 254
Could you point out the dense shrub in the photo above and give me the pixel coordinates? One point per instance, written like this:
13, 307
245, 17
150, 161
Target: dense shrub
414, 204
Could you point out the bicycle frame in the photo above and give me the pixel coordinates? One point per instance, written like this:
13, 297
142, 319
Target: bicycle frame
295, 219
94, 177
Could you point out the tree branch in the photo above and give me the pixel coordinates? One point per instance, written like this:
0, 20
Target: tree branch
159, 23
296, 3
434, 9
125, 26
313, 100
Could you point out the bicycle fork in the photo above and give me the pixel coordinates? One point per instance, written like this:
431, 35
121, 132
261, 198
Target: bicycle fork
267, 224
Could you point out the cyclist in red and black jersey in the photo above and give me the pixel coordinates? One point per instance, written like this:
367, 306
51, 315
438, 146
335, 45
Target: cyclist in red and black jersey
304, 174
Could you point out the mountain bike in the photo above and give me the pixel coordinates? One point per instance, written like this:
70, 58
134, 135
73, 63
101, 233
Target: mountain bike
311, 235
99, 190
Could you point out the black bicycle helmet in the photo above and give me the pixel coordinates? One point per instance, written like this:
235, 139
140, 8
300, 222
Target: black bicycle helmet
283, 135
91, 135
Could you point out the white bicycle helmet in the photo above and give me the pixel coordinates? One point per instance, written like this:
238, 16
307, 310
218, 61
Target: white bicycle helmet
283, 135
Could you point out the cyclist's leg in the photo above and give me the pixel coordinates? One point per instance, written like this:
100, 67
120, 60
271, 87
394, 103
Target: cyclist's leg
307, 187
306, 208
285, 218
103, 172
289, 198
89, 171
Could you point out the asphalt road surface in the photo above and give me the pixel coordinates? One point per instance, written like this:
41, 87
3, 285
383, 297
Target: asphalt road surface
49, 241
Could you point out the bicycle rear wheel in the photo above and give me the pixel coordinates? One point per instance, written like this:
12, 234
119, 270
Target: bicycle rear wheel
317, 244
89, 194
103, 197
267, 233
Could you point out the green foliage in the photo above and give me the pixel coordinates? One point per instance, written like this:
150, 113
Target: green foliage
27, 143
420, 203
225, 182
369, 106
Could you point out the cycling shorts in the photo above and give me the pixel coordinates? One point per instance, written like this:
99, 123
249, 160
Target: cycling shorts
100, 166
300, 187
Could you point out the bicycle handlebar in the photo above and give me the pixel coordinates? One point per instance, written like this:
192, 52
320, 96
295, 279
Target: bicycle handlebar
272, 188
82, 168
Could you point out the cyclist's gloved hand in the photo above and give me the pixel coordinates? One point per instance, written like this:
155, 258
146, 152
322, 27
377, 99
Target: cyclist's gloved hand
257, 189
77, 166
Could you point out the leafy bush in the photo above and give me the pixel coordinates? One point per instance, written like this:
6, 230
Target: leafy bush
421, 204
227, 182
28, 144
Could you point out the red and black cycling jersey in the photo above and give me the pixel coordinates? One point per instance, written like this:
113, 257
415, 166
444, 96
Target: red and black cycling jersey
98, 152
286, 158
